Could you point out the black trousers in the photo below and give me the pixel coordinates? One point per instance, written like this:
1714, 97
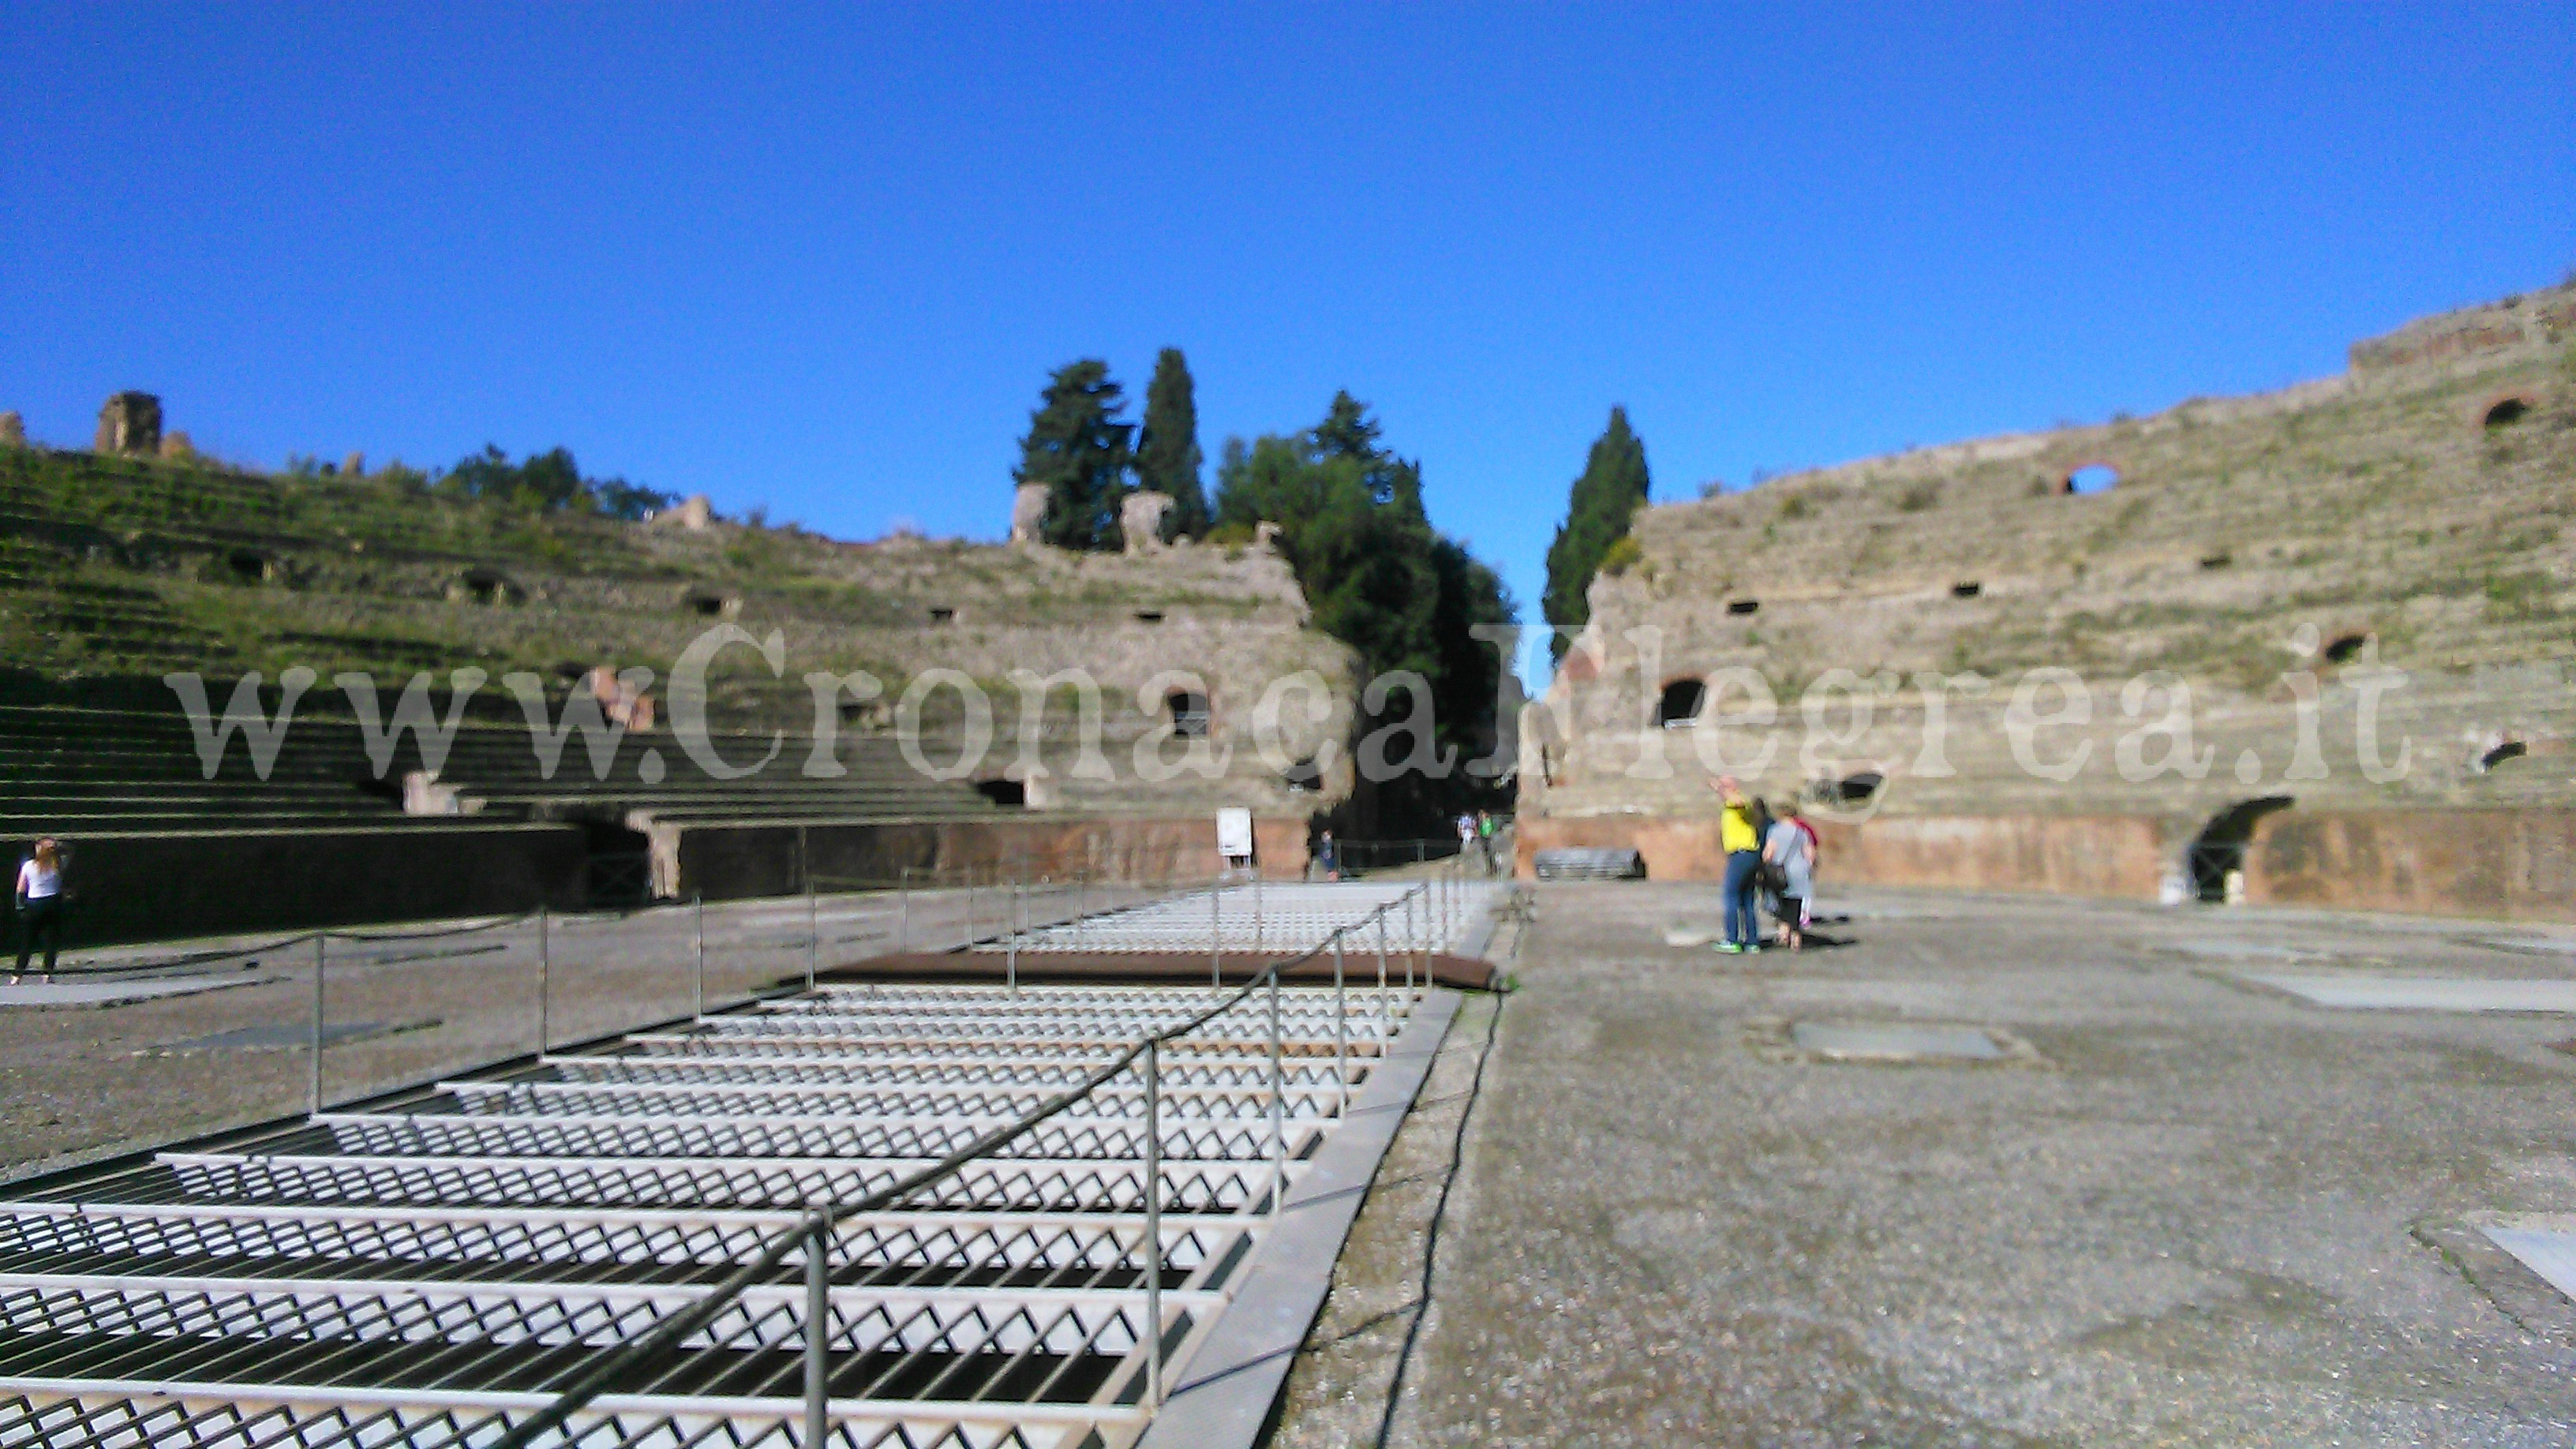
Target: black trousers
41, 914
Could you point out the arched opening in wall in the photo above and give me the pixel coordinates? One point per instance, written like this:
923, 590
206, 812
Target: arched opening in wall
1013, 793
1741, 607
2346, 647
1189, 713
1856, 788
942, 614
709, 604
250, 567
2505, 413
617, 865
865, 715
1966, 589
2091, 478
2509, 750
487, 586
2218, 560
1681, 703
1149, 616
2219, 850
1304, 777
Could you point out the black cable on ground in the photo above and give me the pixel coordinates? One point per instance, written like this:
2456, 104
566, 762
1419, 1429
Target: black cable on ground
1439, 1215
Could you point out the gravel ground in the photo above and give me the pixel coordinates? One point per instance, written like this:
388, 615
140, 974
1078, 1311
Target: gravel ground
2203, 1214
80, 1082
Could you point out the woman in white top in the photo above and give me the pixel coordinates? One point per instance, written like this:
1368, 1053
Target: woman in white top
40, 904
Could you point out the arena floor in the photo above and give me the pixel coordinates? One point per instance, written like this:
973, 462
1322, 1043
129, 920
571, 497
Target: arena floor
2178, 1201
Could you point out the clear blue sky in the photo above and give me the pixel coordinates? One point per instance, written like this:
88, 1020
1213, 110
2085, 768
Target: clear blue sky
822, 260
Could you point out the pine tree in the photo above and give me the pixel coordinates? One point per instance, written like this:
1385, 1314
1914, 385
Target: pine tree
1077, 447
1167, 451
1378, 577
1603, 501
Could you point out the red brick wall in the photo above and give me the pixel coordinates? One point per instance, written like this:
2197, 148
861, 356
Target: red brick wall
2083, 855
2492, 863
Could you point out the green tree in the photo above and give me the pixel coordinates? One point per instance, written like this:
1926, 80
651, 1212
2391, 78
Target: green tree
1167, 451
1379, 578
1077, 446
1603, 502
547, 482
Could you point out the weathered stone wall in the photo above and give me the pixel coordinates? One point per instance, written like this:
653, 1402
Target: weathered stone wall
2515, 864
194, 883
2083, 855
2383, 548
734, 860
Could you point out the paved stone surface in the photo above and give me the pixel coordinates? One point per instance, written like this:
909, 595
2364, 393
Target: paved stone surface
2206, 1222
76, 1085
2372, 991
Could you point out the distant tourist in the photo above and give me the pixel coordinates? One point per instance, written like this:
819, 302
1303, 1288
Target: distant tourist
1791, 853
1328, 858
40, 904
1743, 846
1485, 837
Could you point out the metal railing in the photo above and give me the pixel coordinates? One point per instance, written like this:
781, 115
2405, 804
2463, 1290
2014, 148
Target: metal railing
813, 1235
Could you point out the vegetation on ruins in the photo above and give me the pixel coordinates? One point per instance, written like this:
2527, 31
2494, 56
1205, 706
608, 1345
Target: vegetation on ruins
1167, 451
1608, 494
548, 482
1078, 447
1379, 578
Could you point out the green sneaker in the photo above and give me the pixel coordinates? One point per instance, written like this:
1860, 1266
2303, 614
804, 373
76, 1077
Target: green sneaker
1730, 948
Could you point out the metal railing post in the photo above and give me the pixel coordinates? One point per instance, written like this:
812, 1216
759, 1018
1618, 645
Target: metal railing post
1082, 911
1011, 950
313, 1069
903, 913
1256, 910
818, 1329
1216, 933
1153, 1223
813, 918
545, 977
1413, 943
1341, 1034
1278, 1104
970, 905
1383, 1023
698, 912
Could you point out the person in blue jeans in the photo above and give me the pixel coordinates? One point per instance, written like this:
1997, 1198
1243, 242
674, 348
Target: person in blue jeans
1743, 846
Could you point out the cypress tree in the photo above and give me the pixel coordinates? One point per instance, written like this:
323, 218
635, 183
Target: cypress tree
1603, 501
1077, 447
1167, 452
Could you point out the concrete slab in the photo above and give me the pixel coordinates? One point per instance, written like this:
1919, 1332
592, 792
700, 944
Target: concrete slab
1225, 1395
1893, 1041
2356, 991
2551, 1253
61, 994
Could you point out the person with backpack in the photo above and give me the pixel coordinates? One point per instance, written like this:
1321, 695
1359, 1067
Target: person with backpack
1743, 847
1789, 855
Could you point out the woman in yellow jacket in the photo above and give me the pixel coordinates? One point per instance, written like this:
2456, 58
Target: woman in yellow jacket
1743, 846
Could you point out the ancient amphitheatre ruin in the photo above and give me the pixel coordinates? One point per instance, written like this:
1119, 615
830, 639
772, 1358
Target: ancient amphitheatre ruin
2396, 535
913, 1092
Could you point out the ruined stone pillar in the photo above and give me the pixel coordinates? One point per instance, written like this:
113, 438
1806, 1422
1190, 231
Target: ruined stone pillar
1140, 520
1028, 511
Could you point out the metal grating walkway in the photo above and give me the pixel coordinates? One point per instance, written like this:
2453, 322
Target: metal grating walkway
433, 1268
1263, 918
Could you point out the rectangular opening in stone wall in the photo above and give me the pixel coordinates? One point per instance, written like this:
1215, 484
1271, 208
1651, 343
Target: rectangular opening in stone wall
1966, 589
1744, 606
